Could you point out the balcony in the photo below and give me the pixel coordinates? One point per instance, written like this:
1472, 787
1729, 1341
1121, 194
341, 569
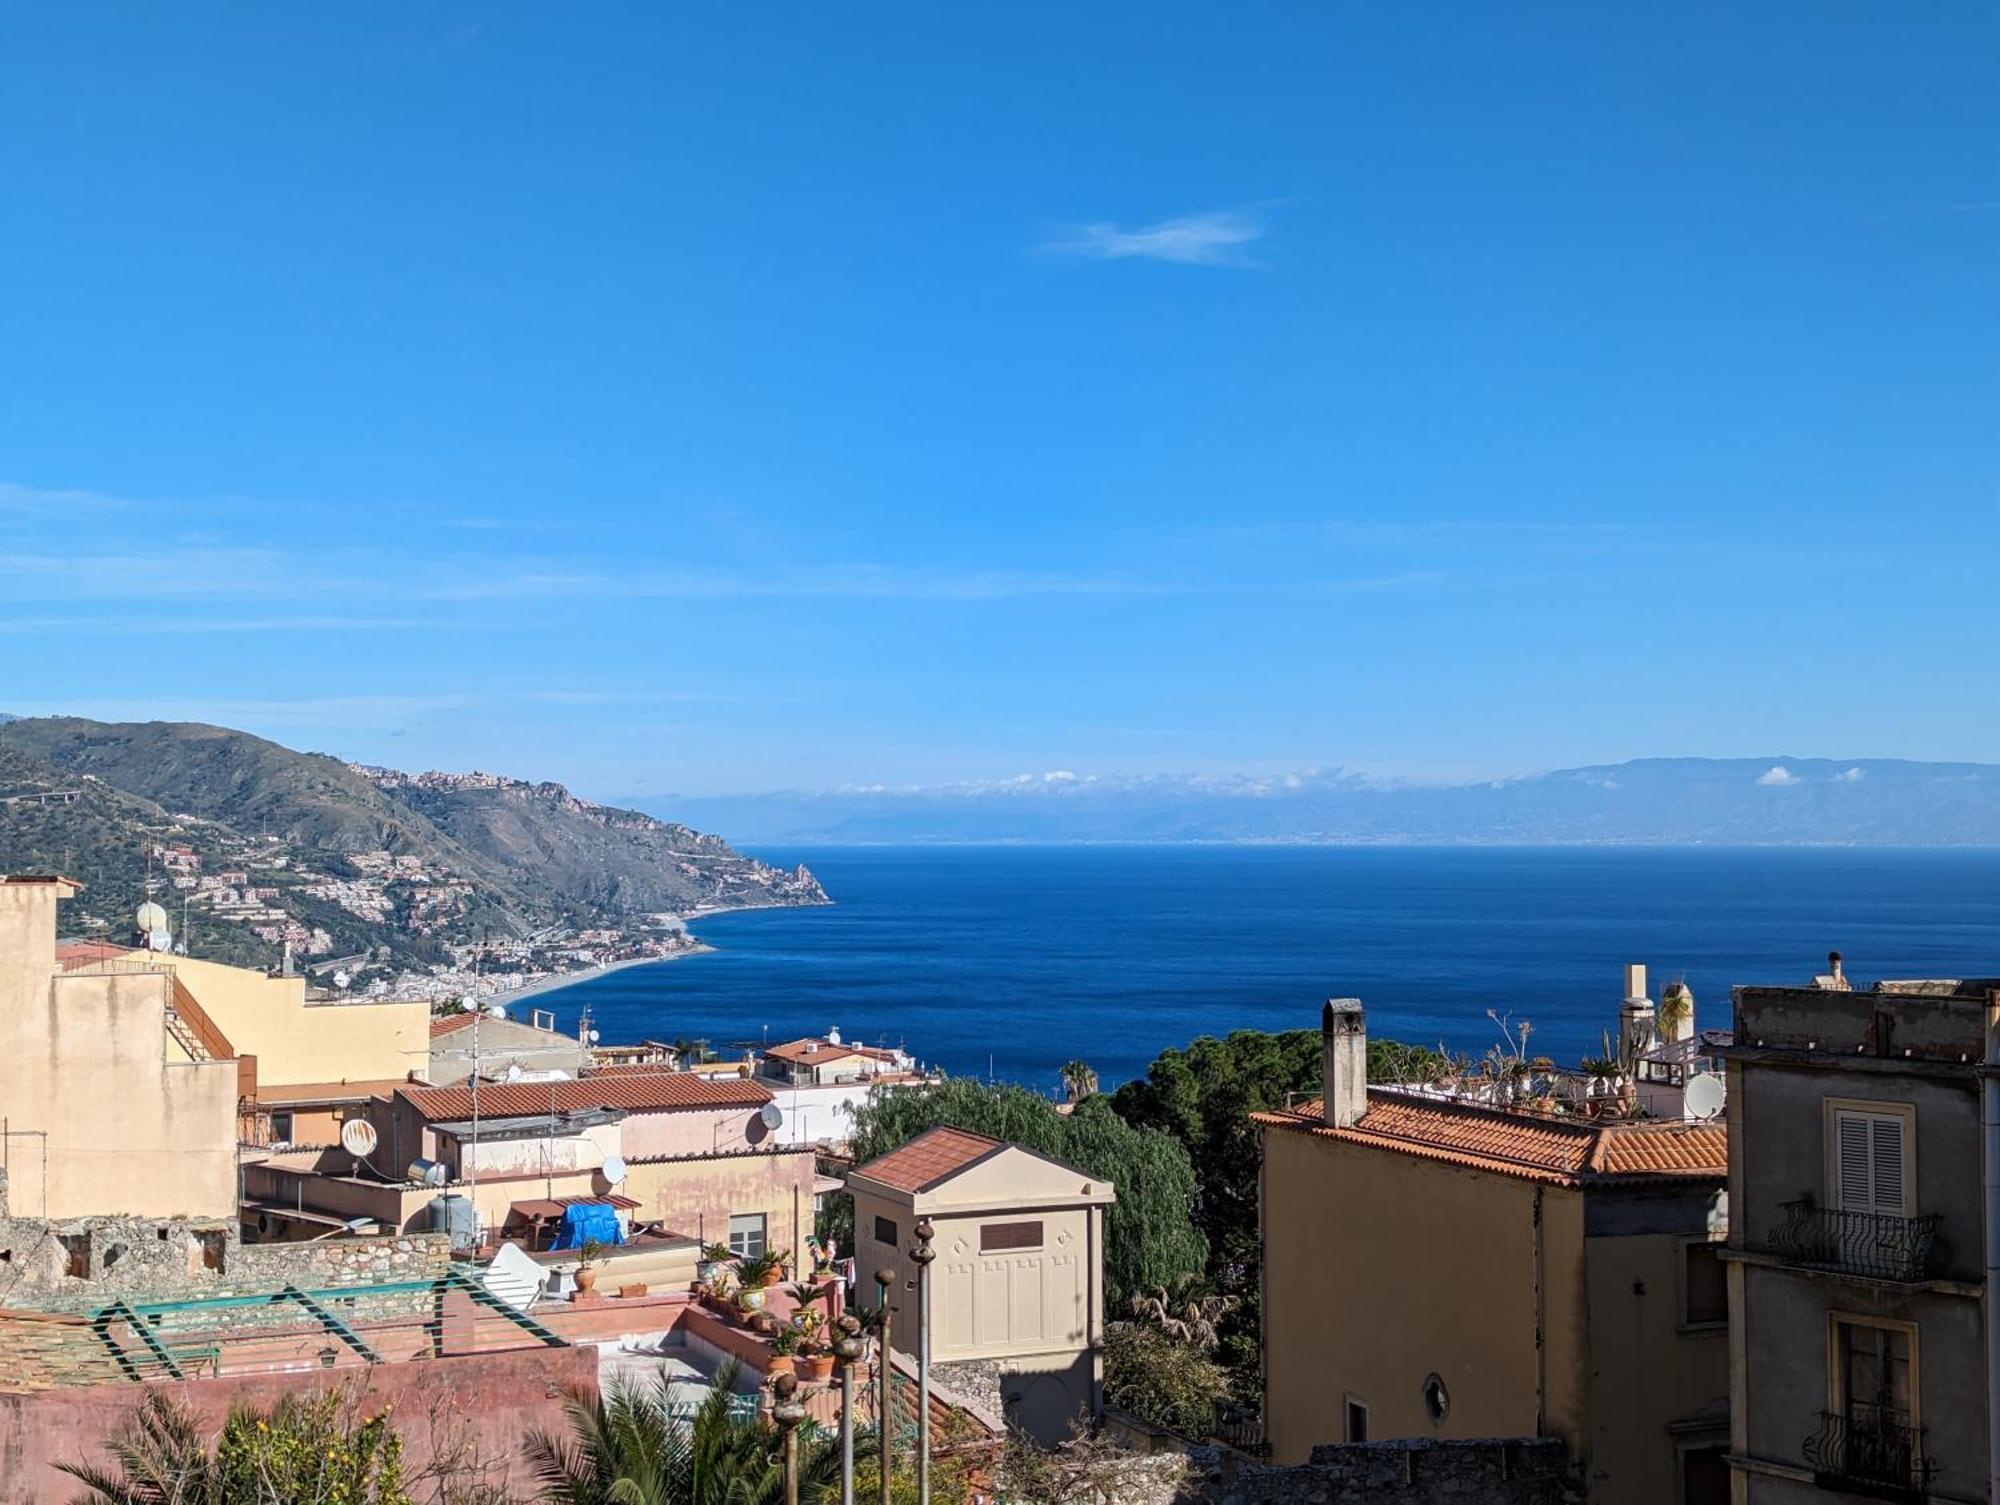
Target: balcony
1870, 1451
1859, 1243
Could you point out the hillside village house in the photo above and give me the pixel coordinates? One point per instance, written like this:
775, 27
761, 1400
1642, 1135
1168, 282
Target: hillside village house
690, 1153
1864, 1188
1441, 1269
819, 1081
111, 1103
1017, 1289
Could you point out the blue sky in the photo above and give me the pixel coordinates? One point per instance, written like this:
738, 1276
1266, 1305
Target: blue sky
703, 398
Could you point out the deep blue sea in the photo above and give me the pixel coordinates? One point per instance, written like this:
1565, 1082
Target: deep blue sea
1015, 960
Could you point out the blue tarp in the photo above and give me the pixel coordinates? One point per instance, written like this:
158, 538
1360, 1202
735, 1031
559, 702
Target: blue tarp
589, 1220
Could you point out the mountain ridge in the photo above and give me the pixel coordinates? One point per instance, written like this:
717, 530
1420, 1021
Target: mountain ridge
1775, 800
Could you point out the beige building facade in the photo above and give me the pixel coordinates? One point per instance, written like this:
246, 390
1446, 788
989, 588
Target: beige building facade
105, 1109
1016, 1293
1438, 1269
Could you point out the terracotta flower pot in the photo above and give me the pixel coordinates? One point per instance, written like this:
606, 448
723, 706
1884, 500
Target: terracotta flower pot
818, 1367
772, 1279
781, 1363
586, 1277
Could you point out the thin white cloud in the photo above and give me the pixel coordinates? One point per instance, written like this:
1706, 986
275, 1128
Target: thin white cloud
1209, 240
1777, 776
1853, 776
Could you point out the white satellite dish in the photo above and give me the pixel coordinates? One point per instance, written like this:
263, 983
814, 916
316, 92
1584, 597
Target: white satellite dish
496, 1011
357, 1137
614, 1168
771, 1115
1704, 1096
341, 979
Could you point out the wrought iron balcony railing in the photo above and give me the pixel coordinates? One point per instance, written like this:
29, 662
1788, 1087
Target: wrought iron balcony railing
1871, 1450
1859, 1243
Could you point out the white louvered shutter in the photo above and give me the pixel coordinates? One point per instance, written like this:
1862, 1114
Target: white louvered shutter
1868, 1162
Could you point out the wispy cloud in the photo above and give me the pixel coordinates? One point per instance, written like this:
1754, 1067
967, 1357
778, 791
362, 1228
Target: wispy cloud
1210, 240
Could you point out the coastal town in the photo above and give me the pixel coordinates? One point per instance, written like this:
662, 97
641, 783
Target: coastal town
1614, 1280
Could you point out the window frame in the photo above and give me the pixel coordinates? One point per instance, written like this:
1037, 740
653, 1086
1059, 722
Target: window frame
1350, 1405
1688, 1322
763, 1235
1836, 1366
1833, 1109
894, 1240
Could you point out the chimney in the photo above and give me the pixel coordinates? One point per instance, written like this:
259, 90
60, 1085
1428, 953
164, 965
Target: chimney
1343, 1029
1637, 1027
1833, 967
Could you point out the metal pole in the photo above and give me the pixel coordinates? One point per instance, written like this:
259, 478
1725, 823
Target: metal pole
847, 1349
923, 1254
885, 1417
788, 1413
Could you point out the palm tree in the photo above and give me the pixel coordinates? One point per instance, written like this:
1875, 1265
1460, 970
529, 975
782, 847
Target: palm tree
162, 1459
629, 1446
1079, 1080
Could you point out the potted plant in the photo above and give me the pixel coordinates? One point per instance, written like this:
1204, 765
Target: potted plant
754, 1273
710, 1262
588, 1253
784, 1345
775, 1271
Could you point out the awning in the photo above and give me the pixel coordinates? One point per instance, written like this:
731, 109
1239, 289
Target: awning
552, 1207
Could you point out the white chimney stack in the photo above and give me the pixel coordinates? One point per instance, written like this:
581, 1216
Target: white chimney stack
1343, 1028
1638, 1030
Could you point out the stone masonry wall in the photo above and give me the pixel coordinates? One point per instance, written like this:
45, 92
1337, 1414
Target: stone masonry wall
1502, 1471
172, 1259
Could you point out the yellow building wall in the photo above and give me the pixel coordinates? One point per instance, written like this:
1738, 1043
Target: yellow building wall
697, 1197
1382, 1268
1647, 1370
128, 1130
295, 1041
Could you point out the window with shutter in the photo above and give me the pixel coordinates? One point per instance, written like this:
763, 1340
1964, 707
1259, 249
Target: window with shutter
1869, 1151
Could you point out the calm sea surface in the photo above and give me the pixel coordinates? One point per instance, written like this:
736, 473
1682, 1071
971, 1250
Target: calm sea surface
1019, 959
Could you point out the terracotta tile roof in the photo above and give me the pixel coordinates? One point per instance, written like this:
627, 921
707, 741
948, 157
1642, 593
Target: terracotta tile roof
1519, 1144
73, 954
928, 1159
300, 1094
809, 1051
1694, 1149
449, 1023
665, 1092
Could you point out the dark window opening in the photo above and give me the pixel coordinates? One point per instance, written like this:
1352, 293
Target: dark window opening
214, 1245
281, 1128
1437, 1400
885, 1232
76, 1254
1706, 1285
113, 1254
998, 1238
1357, 1422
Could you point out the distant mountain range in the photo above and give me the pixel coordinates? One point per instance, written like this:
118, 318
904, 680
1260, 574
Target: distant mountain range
1675, 801
374, 858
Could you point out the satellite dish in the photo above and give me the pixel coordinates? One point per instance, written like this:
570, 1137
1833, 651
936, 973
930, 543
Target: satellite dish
341, 979
357, 1137
771, 1115
594, 1037
614, 1168
1704, 1095
496, 1011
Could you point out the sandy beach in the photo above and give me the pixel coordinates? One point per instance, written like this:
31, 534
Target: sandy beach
555, 981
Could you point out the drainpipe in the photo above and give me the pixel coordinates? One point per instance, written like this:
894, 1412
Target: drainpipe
1989, 1103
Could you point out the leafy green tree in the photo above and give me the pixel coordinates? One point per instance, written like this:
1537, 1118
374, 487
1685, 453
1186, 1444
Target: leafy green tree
1149, 1239
629, 1447
1159, 1378
302, 1451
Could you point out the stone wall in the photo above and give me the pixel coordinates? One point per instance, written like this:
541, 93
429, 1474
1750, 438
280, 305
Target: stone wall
1487, 1471
172, 1259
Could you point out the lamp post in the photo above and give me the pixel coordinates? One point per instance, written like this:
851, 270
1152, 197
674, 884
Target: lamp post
788, 1413
885, 1419
923, 1254
848, 1348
